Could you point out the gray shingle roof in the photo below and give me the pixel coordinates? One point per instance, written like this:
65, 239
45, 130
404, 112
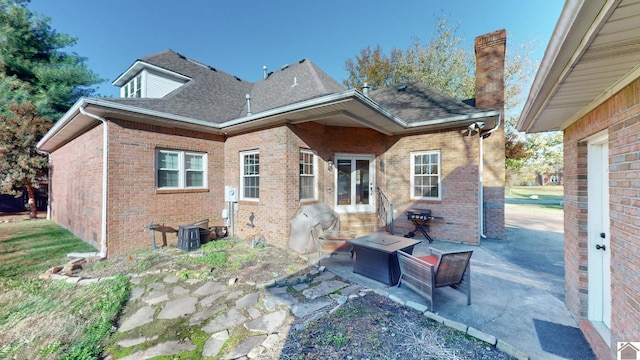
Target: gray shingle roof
216, 96
416, 102
211, 95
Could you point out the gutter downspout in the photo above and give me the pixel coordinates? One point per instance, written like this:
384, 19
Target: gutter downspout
480, 171
105, 151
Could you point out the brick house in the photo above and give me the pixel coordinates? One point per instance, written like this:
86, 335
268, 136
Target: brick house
588, 86
183, 133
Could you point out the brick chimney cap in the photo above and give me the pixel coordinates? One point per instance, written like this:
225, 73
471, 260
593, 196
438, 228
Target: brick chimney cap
490, 39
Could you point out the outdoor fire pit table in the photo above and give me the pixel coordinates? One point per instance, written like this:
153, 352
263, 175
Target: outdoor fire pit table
375, 257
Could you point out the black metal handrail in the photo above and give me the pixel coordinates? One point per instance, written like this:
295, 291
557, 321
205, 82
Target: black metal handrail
385, 211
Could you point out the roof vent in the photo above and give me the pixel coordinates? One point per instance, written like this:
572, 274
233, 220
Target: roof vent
237, 78
402, 88
284, 67
264, 70
248, 97
181, 56
365, 89
301, 61
212, 68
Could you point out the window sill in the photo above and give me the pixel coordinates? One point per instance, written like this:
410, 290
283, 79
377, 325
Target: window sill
180, 191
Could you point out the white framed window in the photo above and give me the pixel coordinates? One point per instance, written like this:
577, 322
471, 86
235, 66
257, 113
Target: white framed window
133, 89
250, 175
308, 169
181, 169
425, 175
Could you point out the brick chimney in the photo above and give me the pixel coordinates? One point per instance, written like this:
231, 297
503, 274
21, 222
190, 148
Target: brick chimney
490, 52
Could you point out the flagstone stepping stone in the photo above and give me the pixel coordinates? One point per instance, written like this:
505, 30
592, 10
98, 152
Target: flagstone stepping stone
215, 343
170, 279
178, 307
164, 349
272, 302
247, 300
327, 275
245, 347
209, 300
156, 297
143, 316
224, 321
267, 323
156, 286
303, 309
136, 293
324, 288
208, 288
205, 314
137, 341
235, 295
179, 290
253, 312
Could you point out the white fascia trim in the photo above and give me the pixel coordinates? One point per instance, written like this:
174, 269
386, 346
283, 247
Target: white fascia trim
327, 99
140, 65
480, 115
60, 124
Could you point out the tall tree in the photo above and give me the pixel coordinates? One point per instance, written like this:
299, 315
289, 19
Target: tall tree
32, 59
38, 81
444, 64
20, 165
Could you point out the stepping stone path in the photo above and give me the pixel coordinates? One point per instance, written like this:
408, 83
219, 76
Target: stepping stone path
224, 309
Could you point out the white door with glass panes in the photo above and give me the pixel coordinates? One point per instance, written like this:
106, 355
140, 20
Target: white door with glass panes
354, 183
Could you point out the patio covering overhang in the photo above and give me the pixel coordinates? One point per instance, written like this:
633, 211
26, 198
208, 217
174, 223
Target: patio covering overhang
593, 53
349, 108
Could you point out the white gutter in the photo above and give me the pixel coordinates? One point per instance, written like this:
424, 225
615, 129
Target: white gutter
458, 118
480, 174
105, 168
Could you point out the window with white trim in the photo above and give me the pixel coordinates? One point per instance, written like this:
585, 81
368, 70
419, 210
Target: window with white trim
307, 175
133, 89
425, 175
250, 175
181, 169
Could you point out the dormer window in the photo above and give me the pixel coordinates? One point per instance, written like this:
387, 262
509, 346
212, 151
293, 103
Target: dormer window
133, 89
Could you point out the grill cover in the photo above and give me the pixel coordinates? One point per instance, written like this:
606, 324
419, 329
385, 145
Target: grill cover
303, 237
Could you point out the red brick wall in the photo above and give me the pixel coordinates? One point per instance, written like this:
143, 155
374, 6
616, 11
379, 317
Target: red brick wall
76, 186
279, 151
620, 115
134, 201
458, 207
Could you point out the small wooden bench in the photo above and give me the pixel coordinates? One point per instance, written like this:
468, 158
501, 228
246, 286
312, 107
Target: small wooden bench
438, 269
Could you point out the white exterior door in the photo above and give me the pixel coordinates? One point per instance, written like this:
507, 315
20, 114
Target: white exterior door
355, 183
599, 251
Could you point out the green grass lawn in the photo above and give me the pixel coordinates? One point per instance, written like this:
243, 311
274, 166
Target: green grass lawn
551, 192
51, 319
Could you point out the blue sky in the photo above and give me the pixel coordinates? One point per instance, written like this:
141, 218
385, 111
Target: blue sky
241, 36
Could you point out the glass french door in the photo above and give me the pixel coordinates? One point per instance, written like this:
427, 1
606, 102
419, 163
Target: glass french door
355, 183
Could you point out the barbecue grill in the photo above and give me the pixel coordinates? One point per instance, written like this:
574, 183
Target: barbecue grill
420, 218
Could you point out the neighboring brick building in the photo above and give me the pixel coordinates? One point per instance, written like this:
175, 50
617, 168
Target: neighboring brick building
588, 86
183, 133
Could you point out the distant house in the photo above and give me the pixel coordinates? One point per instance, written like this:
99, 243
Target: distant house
184, 132
588, 86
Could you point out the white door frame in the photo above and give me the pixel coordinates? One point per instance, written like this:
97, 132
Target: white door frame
598, 230
356, 208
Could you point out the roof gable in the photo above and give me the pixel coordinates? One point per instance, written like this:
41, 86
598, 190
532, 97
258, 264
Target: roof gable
291, 84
